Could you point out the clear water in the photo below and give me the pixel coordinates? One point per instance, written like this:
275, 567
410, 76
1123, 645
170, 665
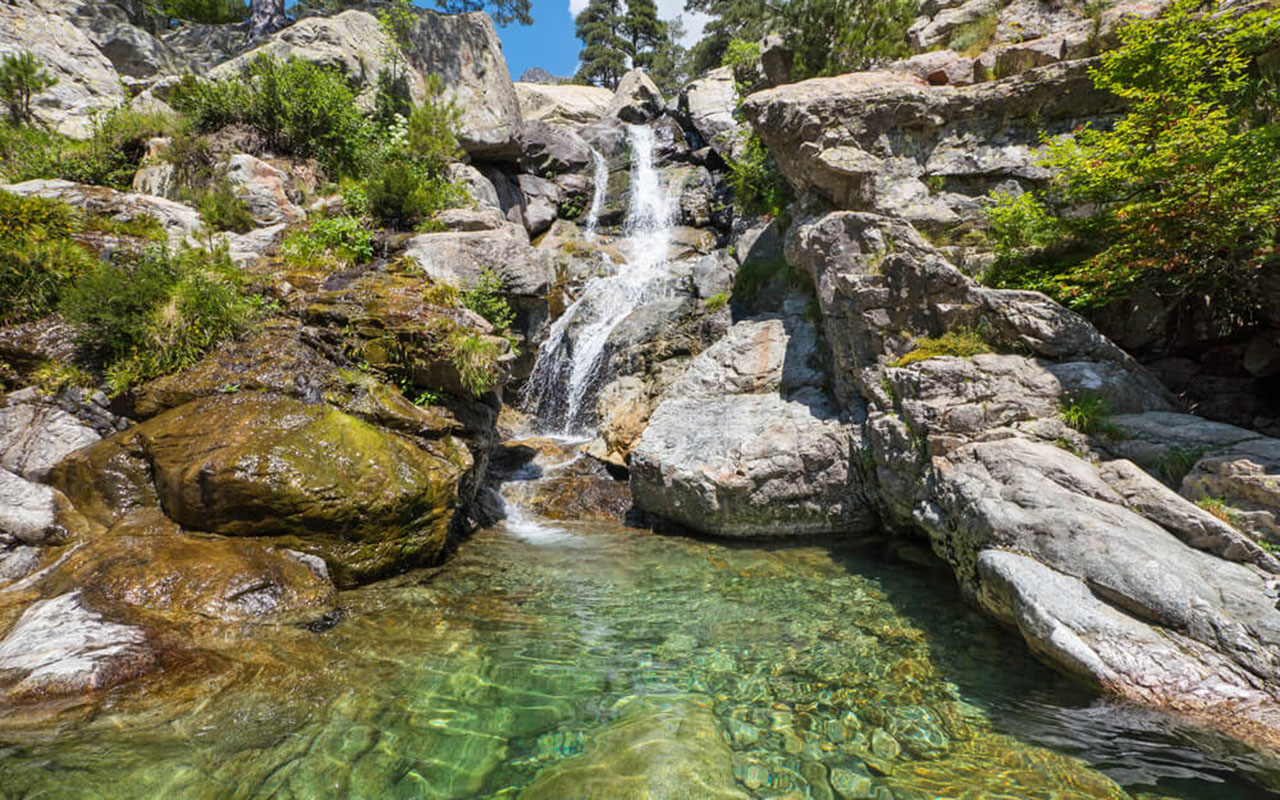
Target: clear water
568, 372
599, 187
466, 681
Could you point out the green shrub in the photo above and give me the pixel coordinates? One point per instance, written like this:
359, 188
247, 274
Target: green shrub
222, 209
204, 12
962, 343
1087, 412
433, 128
486, 299
1182, 192
38, 257
21, 76
758, 185
475, 357
298, 107
831, 37
1174, 463
743, 58
28, 152
118, 143
193, 160
971, 38
339, 240
154, 312
143, 226
403, 194
716, 301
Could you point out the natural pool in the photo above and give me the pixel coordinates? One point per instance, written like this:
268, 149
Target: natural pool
829, 672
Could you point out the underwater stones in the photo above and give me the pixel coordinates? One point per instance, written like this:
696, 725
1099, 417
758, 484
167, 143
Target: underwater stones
62, 646
658, 747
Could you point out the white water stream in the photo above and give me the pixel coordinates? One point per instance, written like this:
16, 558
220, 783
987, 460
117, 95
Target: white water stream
567, 374
600, 187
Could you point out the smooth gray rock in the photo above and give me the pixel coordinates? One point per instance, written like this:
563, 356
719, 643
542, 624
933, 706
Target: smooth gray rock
637, 99
34, 437
562, 105
748, 443
478, 186
459, 257
708, 104
28, 511
541, 202
547, 148
132, 48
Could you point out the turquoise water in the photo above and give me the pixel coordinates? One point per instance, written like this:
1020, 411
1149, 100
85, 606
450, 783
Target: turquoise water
826, 668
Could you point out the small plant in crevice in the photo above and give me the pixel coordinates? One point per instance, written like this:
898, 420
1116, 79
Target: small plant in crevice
716, 301
476, 359
222, 209
486, 299
961, 343
973, 37
1087, 412
1175, 463
758, 185
1218, 508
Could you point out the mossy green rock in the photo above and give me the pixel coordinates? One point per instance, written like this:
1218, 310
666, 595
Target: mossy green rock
310, 477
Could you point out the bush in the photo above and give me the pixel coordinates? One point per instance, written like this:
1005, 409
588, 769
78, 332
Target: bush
154, 312
113, 152
831, 37
433, 129
962, 343
21, 76
403, 194
222, 209
1182, 192
485, 298
758, 185
28, 152
298, 107
38, 257
971, 38
205, 12
475, 357
339, 240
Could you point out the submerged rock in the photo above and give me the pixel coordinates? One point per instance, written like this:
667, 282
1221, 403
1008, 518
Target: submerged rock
667, 748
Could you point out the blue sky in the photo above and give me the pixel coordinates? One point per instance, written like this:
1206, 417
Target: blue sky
549, 42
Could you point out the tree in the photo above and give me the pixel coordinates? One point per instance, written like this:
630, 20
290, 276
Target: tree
266, 17
604, 53
831, 37
643, 32
21, 76
1183, 191
731, 19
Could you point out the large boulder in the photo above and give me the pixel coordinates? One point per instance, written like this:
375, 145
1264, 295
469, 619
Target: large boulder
550, 148
708, 104
264, 190
748, 443
124, 33
87, 81
366, 500
562, 105
953, 145
460, 257
637, 99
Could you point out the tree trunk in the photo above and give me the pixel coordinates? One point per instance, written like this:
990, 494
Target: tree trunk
267, 18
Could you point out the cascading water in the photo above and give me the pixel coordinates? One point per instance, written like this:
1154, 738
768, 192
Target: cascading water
600, 187
567, 374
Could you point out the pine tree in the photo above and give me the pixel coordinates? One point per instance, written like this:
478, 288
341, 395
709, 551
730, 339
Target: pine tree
604, 53
644, 33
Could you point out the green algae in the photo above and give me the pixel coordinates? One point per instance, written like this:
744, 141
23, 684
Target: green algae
826, 672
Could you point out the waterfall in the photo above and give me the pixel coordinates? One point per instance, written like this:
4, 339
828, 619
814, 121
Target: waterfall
566, 376
600, 187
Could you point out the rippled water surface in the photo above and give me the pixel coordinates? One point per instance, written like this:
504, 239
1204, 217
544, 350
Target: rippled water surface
829, 671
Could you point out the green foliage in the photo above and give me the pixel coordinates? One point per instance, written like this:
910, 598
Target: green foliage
118, 143
716, 301
223, 210
21, 76
28, 152
475, 357
1021, 221
487, 300
971, 38
603, 58
392, 101
745, 20
1219, 508
54, 376
1174, 464
402, 194
433, 129
298, 107
758, 185
38, 257
204, 12
143, 226
743, 58
831, 37
154, 312
337, 240
1086, 412
756, 275
1184, 193
962, 343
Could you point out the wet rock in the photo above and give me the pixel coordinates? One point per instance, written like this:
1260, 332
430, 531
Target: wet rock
366, 500
61, 646
28, 511
35, 436
459, 258
29, 344
180, 222
562, 104
670, 748
748, 443
637, 99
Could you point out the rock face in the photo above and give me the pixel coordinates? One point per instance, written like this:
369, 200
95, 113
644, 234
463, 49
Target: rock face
180, 222
637, 99
264, 189
708, 105
87, 81
562, 105
748, 443
955, 144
